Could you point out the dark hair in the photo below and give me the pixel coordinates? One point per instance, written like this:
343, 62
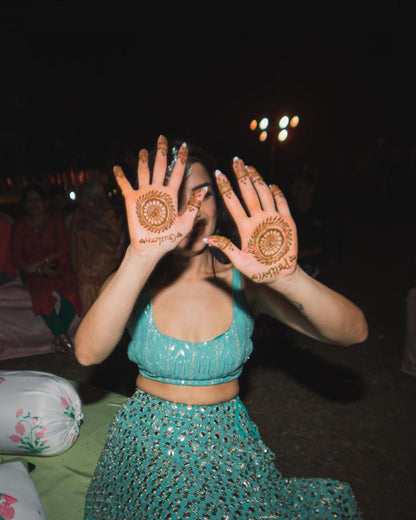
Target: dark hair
225, 225
33, 187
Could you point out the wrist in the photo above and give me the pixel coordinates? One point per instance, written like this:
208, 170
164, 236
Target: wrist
283, 284
141, 258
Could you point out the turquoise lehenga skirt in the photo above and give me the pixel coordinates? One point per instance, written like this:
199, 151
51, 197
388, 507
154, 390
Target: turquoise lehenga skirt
163, 460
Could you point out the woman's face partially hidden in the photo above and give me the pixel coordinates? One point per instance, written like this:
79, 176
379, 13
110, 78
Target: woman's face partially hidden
205, 220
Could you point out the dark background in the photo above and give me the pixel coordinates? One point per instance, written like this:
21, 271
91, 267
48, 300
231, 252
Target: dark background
87, 87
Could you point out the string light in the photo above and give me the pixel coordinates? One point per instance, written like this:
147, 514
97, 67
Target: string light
283, 124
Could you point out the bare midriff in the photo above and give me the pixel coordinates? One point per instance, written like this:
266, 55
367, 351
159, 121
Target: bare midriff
190, 395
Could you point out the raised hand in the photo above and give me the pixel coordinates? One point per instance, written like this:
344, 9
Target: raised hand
155, 226
267, 231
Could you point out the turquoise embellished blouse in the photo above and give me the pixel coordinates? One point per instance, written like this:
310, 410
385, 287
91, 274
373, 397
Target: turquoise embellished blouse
170, 360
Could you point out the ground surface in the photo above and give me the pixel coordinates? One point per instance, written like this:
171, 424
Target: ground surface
344, 413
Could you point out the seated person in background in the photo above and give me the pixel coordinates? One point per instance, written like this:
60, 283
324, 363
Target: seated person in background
95, 240
7, 269
59, 201
40, 251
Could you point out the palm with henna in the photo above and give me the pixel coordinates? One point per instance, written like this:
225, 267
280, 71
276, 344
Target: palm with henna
155, 226
267, 231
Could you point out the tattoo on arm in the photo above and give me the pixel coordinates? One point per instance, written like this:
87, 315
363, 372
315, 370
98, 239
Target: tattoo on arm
298, 305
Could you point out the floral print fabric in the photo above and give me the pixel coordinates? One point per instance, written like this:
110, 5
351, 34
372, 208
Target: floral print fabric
19, 499
40, 413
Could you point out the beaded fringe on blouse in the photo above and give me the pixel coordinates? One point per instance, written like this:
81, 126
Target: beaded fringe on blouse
163, 460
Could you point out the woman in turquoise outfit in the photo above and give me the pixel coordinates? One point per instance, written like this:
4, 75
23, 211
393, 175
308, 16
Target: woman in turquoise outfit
183, 446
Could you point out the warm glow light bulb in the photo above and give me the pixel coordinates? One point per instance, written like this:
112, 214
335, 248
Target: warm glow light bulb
294, 121
253, 125
284, 121
282, 135
264, 123
263, 136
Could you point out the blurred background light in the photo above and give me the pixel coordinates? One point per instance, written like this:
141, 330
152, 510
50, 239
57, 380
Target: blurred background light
263, 136
294, 121
284, 121
282, 136
264, 123
253, 125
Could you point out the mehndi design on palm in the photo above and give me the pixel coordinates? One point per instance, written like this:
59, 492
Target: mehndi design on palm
267, 231
156, 211
152, 209
270, 241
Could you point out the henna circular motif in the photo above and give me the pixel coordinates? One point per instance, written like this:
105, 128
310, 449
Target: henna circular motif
155, 211
270, 241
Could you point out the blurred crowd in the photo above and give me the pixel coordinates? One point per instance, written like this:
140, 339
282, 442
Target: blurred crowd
56, 250
61, 251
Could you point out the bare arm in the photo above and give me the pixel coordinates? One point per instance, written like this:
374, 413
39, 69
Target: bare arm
276, 285
102, 327
311, 308
155, 227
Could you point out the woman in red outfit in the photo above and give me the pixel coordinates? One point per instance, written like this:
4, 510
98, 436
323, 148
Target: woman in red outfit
40, 249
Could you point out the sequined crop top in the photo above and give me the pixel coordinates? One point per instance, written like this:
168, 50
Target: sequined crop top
170, 360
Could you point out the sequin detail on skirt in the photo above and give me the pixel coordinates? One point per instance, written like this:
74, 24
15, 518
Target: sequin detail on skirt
163, 461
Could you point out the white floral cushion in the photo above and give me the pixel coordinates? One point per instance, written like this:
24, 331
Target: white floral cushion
40, 413
19, 499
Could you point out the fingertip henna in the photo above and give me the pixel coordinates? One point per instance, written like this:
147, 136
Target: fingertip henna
196, 199
224, 185
118, 172
220, 242
144, 156
162, 145
276, 191
183, 153
255, 176
240, 170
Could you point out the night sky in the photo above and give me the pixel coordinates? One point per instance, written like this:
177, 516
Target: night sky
82, 89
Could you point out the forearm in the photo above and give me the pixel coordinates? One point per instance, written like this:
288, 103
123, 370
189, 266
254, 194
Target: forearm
334, 318
104, 324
